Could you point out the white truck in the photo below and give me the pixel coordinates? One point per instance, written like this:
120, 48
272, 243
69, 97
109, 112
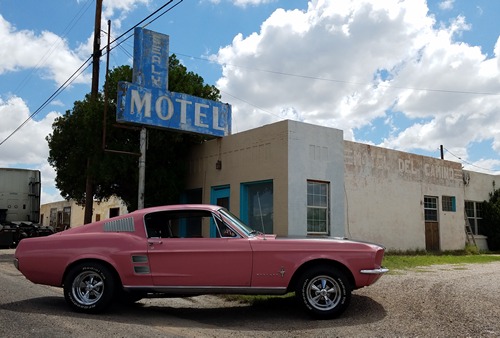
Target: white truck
20, 191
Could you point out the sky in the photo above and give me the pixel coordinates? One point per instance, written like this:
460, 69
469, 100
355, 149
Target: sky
409, 75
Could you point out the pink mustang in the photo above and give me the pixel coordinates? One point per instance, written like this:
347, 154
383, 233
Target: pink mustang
186, 250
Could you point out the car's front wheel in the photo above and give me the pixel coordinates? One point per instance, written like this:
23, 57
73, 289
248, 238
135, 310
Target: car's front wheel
89, 287
324, 292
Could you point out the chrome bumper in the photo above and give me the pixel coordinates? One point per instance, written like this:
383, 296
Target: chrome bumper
378, 271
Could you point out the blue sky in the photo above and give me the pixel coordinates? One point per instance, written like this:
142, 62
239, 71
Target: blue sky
402, 74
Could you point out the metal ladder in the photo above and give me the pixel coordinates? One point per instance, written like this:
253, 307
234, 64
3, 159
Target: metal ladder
468, 231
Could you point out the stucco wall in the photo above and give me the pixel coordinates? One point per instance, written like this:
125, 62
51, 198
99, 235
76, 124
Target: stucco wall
315, 153
255, 155
287, 152
478, 186
385, 192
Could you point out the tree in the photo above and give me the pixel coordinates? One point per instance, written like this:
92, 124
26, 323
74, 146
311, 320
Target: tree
77, 138
490, 224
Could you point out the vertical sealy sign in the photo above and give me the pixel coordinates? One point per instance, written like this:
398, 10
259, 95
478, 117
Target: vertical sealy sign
147, 100
150, 59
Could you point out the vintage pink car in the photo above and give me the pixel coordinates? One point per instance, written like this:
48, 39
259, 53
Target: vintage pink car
186, 250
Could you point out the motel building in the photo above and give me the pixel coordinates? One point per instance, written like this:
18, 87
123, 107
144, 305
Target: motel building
296, 179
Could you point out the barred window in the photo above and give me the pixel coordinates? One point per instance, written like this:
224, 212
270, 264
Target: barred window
448, 203
318, 220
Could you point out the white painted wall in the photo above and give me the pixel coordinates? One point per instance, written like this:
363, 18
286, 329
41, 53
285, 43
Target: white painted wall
478, 185
385, 192
315, 153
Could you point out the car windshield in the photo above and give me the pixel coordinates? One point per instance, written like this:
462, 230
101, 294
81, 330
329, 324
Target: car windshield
237, 222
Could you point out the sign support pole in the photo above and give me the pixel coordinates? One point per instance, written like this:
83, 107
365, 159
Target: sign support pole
147, 100
142, 168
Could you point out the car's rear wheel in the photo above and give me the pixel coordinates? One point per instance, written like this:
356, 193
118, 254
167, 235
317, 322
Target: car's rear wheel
324, 292
89, 287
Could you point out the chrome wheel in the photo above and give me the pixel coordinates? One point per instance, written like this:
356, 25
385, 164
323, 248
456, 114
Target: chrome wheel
88, 288
323, 293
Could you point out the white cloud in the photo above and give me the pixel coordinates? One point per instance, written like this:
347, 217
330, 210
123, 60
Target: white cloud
27, 148
446, 4
28, 145
327, 62
244, 3
48, 56
53, 59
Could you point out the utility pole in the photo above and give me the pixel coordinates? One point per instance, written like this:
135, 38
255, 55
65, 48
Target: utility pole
96, 55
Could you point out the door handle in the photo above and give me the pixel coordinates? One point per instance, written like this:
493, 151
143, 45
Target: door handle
151, 243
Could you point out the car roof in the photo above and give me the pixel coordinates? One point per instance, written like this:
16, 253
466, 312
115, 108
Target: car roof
173, 207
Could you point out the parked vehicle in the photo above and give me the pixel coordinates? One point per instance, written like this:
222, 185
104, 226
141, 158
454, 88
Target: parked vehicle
187, 250
20, 206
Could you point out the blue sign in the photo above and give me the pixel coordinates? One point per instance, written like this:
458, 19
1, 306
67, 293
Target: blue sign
150, 59
159, 108
147, 100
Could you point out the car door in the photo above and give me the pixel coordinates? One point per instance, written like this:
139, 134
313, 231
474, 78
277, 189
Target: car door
189, 257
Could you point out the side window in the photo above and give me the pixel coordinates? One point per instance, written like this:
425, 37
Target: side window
184, 224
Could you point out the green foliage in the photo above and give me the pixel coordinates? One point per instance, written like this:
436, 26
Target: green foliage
490, 224
402, 262
471, 249
72, 144
76, 146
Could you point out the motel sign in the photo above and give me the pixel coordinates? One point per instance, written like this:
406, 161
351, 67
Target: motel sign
147, 100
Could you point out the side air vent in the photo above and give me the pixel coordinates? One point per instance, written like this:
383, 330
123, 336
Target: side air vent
120, 225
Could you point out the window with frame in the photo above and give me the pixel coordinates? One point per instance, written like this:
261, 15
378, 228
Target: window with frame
318, 220
448, 203
474, 211
431, 208
257, 209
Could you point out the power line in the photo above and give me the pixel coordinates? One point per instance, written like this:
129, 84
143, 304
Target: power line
44, 58
85, 65
468, 163
52, 97
309, 77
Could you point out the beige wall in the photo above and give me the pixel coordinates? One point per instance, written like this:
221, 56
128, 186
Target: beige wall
385, 192
255, 155
77, 212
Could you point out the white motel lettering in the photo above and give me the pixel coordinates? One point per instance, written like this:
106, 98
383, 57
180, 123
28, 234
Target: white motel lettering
164, 109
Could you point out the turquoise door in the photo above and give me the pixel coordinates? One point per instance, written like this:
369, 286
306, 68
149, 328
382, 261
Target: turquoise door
219, 196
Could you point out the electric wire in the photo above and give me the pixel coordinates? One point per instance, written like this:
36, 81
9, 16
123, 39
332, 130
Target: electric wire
468, 163
84, 66
309, 77
54, 46
52, 97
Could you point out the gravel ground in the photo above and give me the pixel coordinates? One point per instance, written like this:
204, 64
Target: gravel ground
436, 301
